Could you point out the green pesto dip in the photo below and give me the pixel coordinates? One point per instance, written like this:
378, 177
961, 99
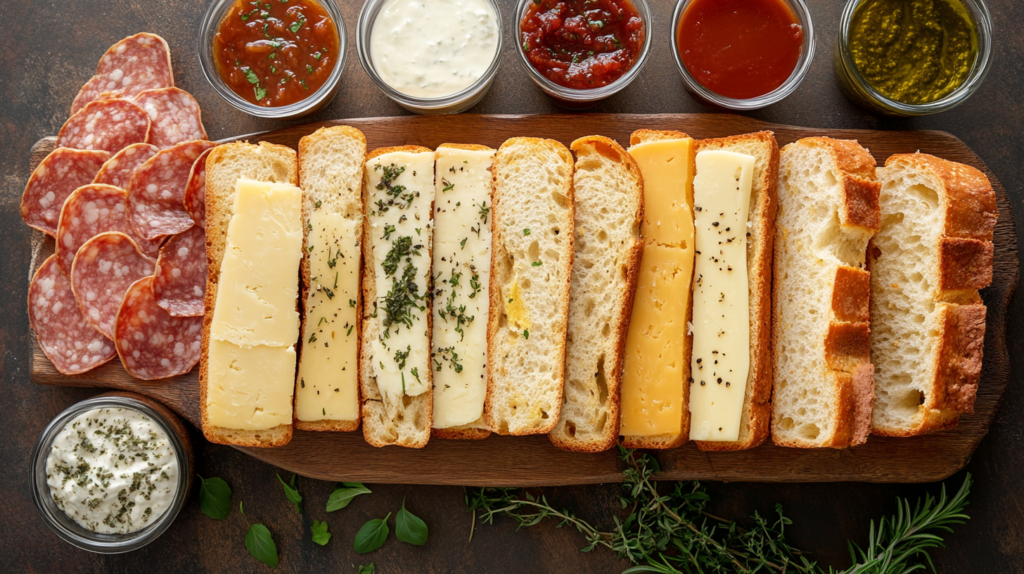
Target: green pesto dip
913, 51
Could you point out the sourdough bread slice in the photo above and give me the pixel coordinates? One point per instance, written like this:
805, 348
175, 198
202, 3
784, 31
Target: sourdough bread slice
828, 211
608, 191
331, 177
225, 165
756, 416
930, 256
532, 222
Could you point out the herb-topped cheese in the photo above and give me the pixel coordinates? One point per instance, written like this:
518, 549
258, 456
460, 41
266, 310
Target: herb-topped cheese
112, 470
401, 192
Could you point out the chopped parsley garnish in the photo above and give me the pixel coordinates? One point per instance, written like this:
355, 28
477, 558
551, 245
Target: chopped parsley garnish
448, 186
351, 302
401, 300
316, 55
401, 356
260, 93
484, 212
526, 333
304, 86
526, 232
388, 230
402, 247
463, 242
537, 263
251, 76
295, 27
309, 69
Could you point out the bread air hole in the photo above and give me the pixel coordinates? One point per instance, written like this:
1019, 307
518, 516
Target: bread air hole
570, 427
560, 199
809, 431
908, 403
602, 382
533, 253
601, 422
925, 195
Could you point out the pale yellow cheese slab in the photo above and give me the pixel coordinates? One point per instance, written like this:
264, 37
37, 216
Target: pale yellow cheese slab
249, 388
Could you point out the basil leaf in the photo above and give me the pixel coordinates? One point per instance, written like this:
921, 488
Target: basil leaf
214, 498
341, 497
320, 534
409, 527
260, 93
370, 569
293, 495
251, 76
261, 545
372, 535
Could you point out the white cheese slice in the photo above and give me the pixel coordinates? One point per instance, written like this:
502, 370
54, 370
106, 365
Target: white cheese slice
721, 324
401, 192
249, 388
462, 269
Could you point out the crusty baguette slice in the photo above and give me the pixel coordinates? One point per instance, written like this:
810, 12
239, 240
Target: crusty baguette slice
669, 440
928, 260
392, 419
609, 206
828, 211
331, 176
532, 222
756, 417
225, 165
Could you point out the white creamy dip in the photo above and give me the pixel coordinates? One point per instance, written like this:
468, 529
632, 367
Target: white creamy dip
112, 470
433, 48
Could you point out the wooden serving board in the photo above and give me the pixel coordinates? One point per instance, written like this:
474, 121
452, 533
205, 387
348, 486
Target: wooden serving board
533, 461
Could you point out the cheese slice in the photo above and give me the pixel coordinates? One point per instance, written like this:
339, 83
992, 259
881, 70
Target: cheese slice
249, 388
462, 270
328, 370
721, 321
401, 186
656, 343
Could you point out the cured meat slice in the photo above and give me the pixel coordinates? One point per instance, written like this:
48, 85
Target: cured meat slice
104, 268
174, 114
195, 191
90, 210
133, 65
180, 279
67, 339
109, 125
118, 169
153, 344
156, 193
60, 173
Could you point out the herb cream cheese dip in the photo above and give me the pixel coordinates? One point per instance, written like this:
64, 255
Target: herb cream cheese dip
433, 48
112, 470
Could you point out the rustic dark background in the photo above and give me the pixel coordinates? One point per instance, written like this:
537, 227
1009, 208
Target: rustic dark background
50, 49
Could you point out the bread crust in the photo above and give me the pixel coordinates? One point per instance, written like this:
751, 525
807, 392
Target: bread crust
620, 327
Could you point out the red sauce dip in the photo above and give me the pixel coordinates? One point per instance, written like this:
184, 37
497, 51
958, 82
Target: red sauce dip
582, 44
274, 53
739, 49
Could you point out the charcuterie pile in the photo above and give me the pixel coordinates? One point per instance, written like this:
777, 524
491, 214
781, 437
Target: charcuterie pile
122, 196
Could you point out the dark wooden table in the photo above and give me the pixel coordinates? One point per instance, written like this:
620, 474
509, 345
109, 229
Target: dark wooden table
51, 48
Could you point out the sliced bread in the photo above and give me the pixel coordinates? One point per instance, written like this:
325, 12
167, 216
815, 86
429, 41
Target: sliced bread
532, 222
609, 207
828, 210
932, 253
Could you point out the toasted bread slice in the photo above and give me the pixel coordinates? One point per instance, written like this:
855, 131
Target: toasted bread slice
756, 416
828, 211
331, 175
672, 248
609, 206
930, 256
225, 165
532, 222
391, 415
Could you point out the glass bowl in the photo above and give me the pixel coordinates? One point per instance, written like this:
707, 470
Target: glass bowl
452, 104
69, 530
803, 64
581, 99
857, 88
317, 100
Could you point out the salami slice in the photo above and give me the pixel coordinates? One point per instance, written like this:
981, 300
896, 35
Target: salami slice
103, 270
195, 191
60, 173
180, 279
156, 193
133, 65
67, 339
152, 344
92, 209
109, 125
174, 114
118, 169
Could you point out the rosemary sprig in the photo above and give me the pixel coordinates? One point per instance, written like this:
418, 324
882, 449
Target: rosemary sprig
673, 534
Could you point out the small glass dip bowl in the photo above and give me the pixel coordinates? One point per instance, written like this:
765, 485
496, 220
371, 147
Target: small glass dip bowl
72, 532
316, 101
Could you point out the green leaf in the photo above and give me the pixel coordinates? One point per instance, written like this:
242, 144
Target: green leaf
320, 534
368, 569
214, 498
240, 509
409, 527
251, 76
372, 535
261, 545
293, 495
260, 93
343, 495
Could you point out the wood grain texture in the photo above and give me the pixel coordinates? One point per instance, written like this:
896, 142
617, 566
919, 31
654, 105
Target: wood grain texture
533, 461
